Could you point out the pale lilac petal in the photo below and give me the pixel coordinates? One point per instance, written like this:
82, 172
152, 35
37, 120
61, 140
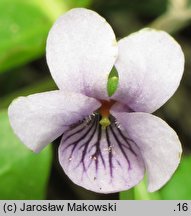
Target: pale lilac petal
100, 160
159, 145
81, 51
150, 66
40, 118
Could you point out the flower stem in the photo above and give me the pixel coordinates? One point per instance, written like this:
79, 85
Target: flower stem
141, 193
176, 18
172, 22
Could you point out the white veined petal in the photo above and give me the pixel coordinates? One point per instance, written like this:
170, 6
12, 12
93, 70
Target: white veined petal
101, 160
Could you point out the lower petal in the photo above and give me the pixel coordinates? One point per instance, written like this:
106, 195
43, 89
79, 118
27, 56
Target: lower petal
100, 159
40, 118
159, 145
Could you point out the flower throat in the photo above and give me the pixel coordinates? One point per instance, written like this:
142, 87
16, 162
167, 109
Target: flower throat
104, 112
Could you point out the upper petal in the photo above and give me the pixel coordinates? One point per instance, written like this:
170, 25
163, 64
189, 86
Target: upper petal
150, 66
81, 51
40, 118
159, 145
101, 160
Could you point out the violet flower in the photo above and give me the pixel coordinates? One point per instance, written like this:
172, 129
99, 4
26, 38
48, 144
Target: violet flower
108, 142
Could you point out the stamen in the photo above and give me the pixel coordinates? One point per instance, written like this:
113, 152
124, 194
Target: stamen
117, 124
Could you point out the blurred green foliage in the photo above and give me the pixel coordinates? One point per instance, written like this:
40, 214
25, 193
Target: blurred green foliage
24, 26
23, 174
178, 188
23, 30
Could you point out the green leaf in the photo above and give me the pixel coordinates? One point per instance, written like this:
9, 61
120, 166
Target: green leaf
141, 193
52, 8
179, 187
79, 3
24, 27
23, 174
47, 84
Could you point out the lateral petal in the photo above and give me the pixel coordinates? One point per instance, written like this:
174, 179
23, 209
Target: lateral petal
40, 118
158, 143
150, 65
